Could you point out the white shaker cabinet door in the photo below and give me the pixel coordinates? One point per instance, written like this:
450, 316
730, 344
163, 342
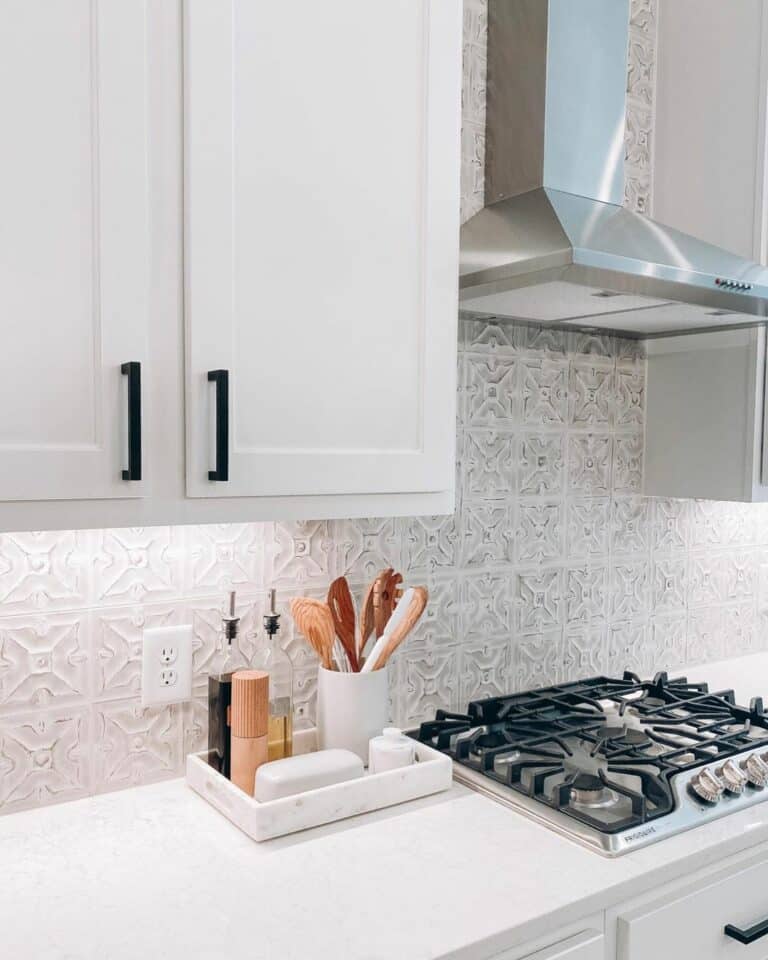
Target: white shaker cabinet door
73, 247
709, 130
706, 419
586, 946
321, 247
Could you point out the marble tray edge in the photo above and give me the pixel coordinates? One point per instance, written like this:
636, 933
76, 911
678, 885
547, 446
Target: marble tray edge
432, 773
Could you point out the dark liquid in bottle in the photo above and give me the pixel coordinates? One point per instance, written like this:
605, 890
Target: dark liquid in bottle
219, 703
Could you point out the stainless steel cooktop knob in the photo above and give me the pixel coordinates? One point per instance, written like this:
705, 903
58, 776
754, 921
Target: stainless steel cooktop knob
733, 777
756, 770
707, 786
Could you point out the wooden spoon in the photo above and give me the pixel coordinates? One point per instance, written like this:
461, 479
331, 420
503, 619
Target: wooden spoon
314, 620
342, 608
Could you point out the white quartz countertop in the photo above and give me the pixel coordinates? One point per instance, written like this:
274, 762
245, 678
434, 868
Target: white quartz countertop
156, 873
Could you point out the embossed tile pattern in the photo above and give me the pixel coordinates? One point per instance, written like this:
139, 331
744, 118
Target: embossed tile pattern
473, 107
641, 84
553, 567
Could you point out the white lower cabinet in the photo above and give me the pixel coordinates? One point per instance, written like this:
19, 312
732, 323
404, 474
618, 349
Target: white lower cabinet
589, 945
583, 940
717, 913
689, 923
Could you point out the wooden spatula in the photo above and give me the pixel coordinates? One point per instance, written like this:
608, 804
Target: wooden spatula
314, 620
367, 622
342, 608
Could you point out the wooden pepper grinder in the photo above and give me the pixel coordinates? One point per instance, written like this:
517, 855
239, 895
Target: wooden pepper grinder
250, 723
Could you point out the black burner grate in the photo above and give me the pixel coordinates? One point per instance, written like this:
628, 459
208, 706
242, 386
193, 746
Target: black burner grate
569, 747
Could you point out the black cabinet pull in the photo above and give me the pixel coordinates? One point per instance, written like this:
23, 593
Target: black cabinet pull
132, 370
749, 935
221, 379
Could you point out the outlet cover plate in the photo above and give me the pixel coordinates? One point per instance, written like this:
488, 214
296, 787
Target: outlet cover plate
166, 665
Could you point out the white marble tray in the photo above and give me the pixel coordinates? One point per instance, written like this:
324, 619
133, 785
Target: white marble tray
431, 773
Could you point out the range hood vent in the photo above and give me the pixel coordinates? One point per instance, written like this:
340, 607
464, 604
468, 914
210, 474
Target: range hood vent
555, 245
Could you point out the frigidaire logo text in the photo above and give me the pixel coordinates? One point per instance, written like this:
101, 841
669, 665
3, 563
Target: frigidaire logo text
639, 834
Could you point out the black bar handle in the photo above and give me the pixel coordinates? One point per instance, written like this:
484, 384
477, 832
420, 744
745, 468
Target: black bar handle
132, 370
749, 935
221, 379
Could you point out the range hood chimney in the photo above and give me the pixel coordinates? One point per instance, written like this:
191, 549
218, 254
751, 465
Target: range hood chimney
554, 246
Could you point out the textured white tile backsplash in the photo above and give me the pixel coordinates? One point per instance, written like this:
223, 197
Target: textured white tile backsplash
473, 108
552, 567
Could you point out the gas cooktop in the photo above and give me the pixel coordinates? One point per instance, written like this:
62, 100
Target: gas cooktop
613, 764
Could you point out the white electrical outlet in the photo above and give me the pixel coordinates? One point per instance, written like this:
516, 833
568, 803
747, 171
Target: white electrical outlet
168, 652
166, 665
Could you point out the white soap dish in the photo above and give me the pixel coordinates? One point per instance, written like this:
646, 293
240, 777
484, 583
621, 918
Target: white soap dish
431, 773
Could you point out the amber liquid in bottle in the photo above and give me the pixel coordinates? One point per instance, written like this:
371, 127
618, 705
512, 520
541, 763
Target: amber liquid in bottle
280, 729
276, 662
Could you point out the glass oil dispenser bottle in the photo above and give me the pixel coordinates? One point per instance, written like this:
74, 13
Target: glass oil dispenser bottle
271, 658
226, 662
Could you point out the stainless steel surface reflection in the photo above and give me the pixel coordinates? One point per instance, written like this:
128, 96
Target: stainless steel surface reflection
555, 119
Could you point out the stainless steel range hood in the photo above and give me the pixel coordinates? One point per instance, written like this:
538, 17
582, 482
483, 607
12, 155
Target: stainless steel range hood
554, 246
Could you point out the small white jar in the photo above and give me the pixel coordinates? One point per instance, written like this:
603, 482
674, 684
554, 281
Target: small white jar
390, 751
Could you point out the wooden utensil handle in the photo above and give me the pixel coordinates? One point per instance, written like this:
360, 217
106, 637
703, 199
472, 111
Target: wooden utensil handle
380, 611
342, 609
366, 620
401, 631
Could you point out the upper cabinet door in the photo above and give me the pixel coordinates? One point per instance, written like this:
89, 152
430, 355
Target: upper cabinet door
322, 221
709, 131
73, 246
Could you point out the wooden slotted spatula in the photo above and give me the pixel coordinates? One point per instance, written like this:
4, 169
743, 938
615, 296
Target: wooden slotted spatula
342, 608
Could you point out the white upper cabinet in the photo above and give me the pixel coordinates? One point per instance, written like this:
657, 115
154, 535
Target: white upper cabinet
706, 432
706, 426
321, 246
709, 135
255, 200
74, 255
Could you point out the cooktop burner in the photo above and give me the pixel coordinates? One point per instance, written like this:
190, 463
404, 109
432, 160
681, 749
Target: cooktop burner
612, 763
